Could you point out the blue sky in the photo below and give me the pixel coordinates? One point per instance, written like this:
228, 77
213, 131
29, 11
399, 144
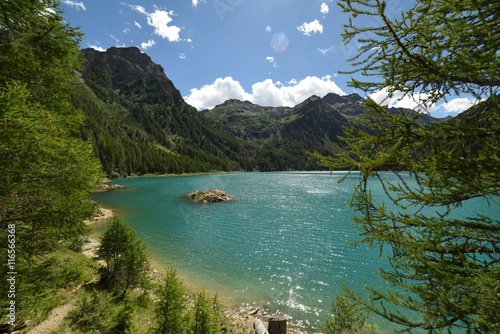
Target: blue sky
270, 52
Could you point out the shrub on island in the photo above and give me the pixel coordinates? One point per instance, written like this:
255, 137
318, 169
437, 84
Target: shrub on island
209, 196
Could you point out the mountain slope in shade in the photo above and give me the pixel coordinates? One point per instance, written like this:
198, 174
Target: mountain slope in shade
140, 123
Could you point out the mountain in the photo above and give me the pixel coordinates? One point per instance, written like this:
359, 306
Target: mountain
286, 134
139, 122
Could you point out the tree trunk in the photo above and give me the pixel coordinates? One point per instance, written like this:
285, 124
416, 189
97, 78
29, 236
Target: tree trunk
277, 325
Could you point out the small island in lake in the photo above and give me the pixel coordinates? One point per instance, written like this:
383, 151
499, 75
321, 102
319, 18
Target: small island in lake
209, 196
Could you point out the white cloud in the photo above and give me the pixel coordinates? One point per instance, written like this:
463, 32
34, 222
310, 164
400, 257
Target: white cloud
182, 56
137, 25
458, 104
327, 50
221, 90
139, 9
311, 27
265, 93
324, 8
272, 61
98, 48
398, 99
147, 45
413, 101
196, 2
78, 5
160, 20
114, 38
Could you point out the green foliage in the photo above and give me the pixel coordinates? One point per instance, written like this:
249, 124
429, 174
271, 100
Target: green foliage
95, 312
39, 49
127, 261
171, 305
346, 316
445, 268
140, 124
206, 315
435, 48
45, 173
126, 322
47, 283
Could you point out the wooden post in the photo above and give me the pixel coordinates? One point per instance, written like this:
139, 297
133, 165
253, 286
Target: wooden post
277, 325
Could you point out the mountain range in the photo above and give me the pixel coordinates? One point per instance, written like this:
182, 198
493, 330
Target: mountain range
139, 123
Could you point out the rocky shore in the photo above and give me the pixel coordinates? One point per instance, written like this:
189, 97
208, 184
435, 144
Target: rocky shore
209, 196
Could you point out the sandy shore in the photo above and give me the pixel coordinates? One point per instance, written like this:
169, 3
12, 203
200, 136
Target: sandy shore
242, 319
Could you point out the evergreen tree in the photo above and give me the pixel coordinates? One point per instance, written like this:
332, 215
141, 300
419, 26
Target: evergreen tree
126, 258
45, 173
444, 267
206, 315
170, 308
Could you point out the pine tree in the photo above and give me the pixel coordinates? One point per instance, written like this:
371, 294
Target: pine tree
171, 305
445, 268
127, 261
45, 172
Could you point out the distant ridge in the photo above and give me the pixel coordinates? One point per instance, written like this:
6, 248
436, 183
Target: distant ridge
139, 123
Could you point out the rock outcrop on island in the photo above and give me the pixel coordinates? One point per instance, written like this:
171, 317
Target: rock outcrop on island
209, 196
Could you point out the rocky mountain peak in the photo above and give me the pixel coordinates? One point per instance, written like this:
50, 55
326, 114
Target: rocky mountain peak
128, 70
332, 98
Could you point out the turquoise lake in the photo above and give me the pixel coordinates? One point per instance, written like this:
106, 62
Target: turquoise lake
280, 245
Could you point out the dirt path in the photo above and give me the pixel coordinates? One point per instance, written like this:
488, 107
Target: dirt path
56, 317
54, 320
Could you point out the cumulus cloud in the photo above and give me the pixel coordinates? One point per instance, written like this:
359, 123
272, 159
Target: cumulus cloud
324, 8
398, 99
148, 44
137, 25
221, 90
267, 92
159, 20
311, 27
458, 104
78, 5
413, 101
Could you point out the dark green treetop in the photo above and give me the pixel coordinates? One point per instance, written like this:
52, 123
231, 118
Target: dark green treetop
435, 48
445, 268
45, 172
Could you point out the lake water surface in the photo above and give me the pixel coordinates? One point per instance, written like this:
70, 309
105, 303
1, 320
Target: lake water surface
281, 245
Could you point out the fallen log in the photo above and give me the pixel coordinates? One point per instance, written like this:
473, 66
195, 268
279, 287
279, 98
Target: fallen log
259, 327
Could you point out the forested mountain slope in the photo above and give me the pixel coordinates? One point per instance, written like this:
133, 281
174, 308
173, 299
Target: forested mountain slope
139, 123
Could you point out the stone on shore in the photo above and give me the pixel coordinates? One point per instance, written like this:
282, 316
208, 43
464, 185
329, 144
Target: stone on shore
210, 196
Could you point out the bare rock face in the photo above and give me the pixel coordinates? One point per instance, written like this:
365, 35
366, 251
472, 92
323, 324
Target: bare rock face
210, 196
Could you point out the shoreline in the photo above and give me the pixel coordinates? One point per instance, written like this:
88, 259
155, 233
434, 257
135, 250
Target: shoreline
242, 316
